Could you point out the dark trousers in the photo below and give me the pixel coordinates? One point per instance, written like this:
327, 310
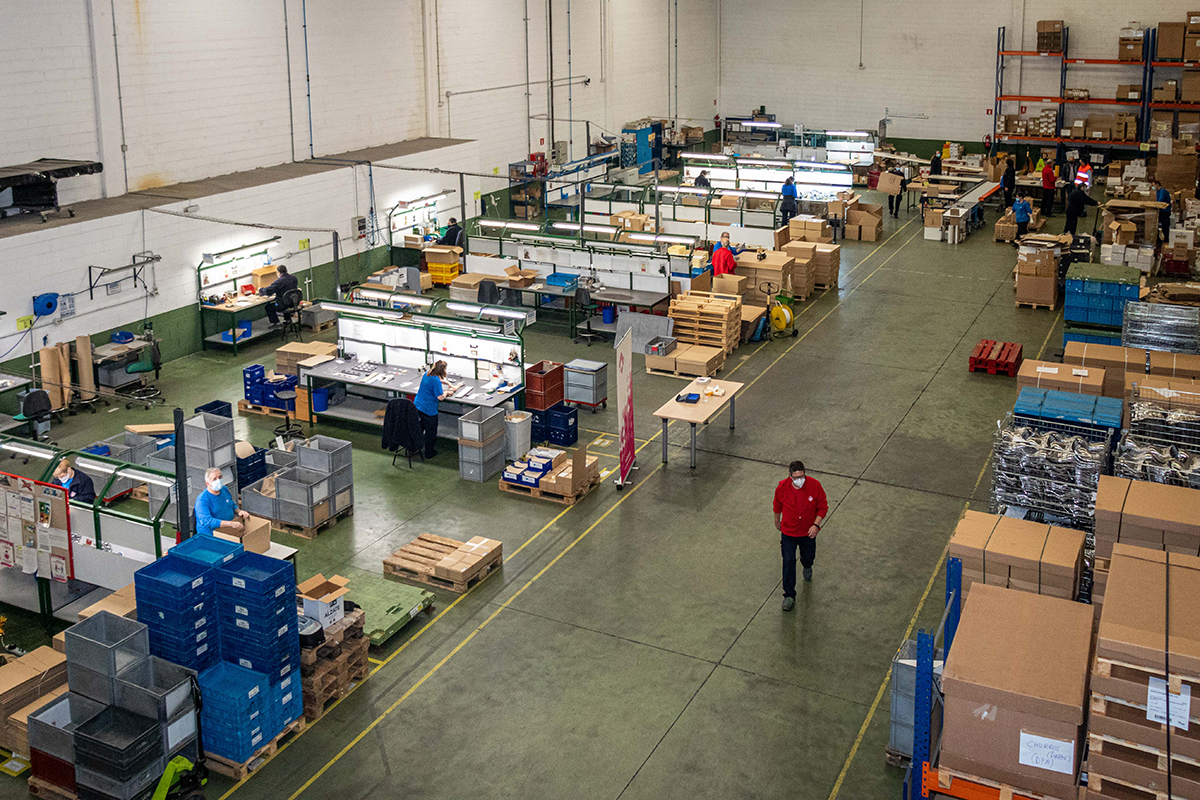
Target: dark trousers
787, 211
429, 428
808, 551
273, 310
1072, 222
894, 204
1164, 224
1008, 198
1047, 202
1022, 229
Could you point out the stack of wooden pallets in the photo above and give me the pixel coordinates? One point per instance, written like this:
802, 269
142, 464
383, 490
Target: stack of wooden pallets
708, 319
328, 669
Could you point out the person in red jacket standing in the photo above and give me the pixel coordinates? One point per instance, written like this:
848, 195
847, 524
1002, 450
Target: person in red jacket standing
1048, 179
800, 511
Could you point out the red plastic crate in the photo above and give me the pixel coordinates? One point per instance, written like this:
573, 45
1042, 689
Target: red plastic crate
52, 770
540, 401
544, 376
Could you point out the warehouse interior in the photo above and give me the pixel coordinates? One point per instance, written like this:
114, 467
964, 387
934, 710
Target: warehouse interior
631, 266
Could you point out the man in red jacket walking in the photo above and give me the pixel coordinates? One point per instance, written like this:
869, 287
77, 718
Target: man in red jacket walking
800, 511
1048, 181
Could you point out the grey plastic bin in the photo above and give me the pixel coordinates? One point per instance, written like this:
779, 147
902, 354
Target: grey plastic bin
325, 454
138, 447
298, 513
91, 684
481, 454
481, 424
106, 643
207, 431
120, 790
341, 479
162, 460
518, 430
256, 503
480, 472
204, 457
904, 699
299, 485
155, 688
52, 726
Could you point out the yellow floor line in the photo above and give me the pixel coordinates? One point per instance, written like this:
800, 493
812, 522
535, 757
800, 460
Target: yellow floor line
912, 622
469, 637
1046, 341
374, 660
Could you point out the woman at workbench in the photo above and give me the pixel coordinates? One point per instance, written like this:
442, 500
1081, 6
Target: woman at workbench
429, 393
788, 208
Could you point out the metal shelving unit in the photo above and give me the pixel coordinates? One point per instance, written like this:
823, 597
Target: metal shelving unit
1061, 101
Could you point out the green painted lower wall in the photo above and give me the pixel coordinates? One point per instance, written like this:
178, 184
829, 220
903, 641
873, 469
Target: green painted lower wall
179, 329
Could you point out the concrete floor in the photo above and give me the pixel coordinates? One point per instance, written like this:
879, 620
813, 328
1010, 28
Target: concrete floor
633, 645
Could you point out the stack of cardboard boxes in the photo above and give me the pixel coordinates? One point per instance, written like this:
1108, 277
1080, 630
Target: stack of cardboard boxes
1129, 46
809, 228
864, 223
631, 221
550, 470
1061, 377
845, 202
27, 684
1037, 273
1145, 514
827, 264
731, 284
288, 357
773, 270
1100, 126
688, 359
1015, 686
1045, 124
1050, 36
1018, 554
1169, 44
1114, 361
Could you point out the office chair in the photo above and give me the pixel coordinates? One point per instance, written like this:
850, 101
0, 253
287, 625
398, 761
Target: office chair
585, 306
290, 429
289, 307
35, 410
151, 362
489, 293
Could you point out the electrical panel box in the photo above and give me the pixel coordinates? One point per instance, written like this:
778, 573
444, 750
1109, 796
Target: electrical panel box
559, 154
359, 226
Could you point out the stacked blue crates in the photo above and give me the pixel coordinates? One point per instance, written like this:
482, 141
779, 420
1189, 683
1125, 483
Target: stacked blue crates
256, 601
237, 718
562, 425
1097, 293
1047, 407
538, 431
253, 378
252, 468
218, 407
261, 392
176, 599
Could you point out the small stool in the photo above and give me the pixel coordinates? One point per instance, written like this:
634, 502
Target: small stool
289, 429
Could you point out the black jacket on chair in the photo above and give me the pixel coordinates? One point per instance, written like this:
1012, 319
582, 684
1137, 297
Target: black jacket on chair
402, 426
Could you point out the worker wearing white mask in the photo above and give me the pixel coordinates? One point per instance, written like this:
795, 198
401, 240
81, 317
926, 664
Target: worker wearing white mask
215, 508
800, 511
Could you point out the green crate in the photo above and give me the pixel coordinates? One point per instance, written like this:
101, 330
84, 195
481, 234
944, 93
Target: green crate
389, 606
1105, 273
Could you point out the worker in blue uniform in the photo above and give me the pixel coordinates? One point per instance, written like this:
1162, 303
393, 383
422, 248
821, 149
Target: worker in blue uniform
1161, 195
215, 507
788, 207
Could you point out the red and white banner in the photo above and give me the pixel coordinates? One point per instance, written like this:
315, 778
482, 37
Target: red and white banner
625, 405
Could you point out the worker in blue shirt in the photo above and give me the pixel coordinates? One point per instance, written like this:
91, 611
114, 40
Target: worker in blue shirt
1023, 212
788, 207
724, 242
215, 508
1161, 195
429, 393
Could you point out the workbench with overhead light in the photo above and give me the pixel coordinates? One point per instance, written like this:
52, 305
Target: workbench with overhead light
226, 290
410, 222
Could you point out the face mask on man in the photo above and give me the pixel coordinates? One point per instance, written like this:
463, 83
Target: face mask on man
215, 484
798, 482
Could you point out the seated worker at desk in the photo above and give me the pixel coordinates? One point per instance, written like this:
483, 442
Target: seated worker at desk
78, 485
429, 393
278, 290
453, 235
215, 509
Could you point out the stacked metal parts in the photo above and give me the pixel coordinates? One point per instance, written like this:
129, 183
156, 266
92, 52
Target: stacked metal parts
127, 713
1162, 445
1156, 326
1055, 472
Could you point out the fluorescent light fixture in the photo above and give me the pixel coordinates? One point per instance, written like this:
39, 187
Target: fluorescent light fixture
145, 477
753, 124
492, 223
763, 195
487, 311
600, 228
372, 294
411, 300
363, 311
466, 308
263, 245
734, 193
820, 165
857, 134
709, 156
88, 465
650, 237
684, 189
522, 226
762, 162
28, 450
567, 226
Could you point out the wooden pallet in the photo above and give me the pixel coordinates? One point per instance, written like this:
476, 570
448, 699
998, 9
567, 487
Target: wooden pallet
943, 778
321, 326
824, 287
140, 492
1137, 673
244, 407
1135, 753
315, 530
728, 344
996, 358
232, 769
1025, 304
48, 791
1123, 789
554, 497
678, 373
415, 561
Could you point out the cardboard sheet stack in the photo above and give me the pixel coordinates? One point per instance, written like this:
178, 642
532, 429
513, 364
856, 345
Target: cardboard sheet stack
1029, 556
1135, 705
707, 319
26, 684
774, 270
288, 357
1114, 361
1063, 377
1145, 514
828, 263
1015, 686
467, 560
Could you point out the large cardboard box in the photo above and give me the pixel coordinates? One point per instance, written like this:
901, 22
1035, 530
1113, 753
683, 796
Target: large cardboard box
255, 535
1061, 563
1170, 40
322, 599
1191, 47
440, 254
1129, 49
519, 278
730, 284
1175, 365
1038, 291
970, 539
1016, 546
1117, 362
1023, 658
697, 360
870, 226
667, 363
889, 183
1062, 377
1110, 505
1189, 86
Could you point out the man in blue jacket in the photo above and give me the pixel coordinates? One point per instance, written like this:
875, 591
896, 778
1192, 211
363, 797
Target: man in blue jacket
215, 508
281, 286
1161, 195
1023, 213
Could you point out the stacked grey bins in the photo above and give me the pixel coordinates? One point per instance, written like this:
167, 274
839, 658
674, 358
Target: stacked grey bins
132, 448
481, 445
163, 460
586, 383
127, 713
208, 443
904, 701
319, 486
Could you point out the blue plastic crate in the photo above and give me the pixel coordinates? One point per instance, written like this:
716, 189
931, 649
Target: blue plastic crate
218, 407
256, 574
562, 418
208, 551
232, 685
175, 581
196, 658
563, 280
263, 637
235, 604
563, 438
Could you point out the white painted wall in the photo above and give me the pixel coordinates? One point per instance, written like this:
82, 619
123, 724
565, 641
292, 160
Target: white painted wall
935, 57
326, 200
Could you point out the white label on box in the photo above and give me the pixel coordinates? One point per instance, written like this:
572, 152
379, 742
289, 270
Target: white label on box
282, 631
1082, 373
252, 693
244, 624
1156, 704
241, 610
197, 583
1051, 370
200, 622
415, 610
246, 663
254, 716
256, 740
201, 636
201, 650
239, 583
180, 729
287, 698
284, 684
285, 670
1054, 755
198, 607
280, 591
